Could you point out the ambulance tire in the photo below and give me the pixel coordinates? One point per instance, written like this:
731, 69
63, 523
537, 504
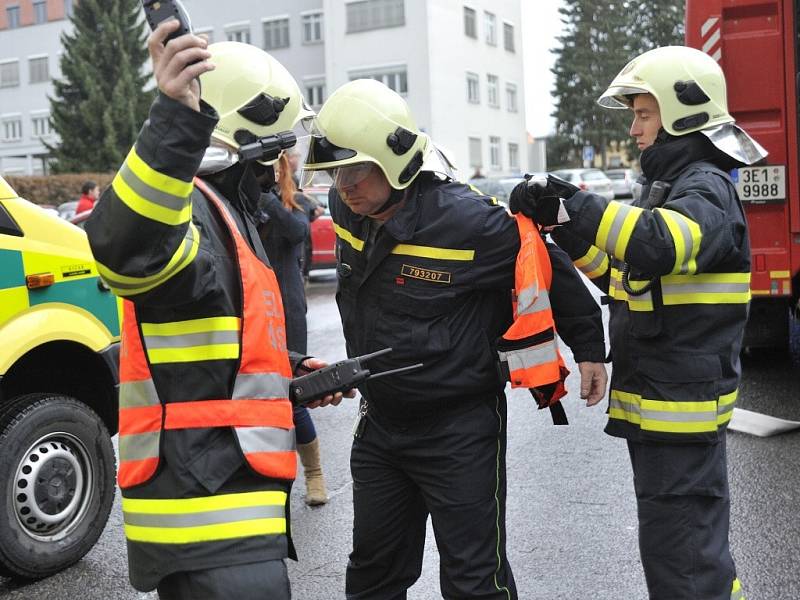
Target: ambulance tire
57, 480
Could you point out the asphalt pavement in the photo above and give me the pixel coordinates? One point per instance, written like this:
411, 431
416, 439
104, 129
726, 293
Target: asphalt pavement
571, 514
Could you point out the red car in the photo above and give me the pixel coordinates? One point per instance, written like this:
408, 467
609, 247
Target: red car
323, 237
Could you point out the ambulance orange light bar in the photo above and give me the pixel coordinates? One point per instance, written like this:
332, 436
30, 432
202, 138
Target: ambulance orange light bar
39, 280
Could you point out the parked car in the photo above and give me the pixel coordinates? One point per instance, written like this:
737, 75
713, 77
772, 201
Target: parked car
66, 210
58, 392
622, 181
323, 237
499, 187
589, 180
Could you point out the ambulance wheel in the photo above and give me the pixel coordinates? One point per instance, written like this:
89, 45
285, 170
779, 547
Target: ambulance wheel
57, 479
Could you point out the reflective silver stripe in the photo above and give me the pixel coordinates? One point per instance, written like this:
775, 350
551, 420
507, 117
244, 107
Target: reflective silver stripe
594, 264
188, 340
135, 394
215, 517
138, 446
688, 243
260, 386
628, 407
265, 439
723, 409
678, 417
542, 302
154, 195
150, 281
615, 229
530, 357
705, 288
527, 296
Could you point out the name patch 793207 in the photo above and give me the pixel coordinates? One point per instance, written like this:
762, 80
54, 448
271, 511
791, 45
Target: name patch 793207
426, 274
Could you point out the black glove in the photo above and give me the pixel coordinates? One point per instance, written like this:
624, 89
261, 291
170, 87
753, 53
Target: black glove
540, 199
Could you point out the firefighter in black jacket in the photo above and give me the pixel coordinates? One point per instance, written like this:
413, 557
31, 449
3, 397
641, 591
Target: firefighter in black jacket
676, 265
425, 266
206, 437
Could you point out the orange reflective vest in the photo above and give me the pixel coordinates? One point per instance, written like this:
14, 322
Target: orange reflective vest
529, 349
258, 409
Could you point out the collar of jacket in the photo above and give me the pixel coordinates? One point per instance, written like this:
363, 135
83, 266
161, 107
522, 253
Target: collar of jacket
403, 223
239, 185
670, 155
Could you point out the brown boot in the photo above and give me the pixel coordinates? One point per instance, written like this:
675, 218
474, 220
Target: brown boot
316, 493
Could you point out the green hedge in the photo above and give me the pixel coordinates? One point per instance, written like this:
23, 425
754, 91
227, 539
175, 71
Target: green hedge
55, 189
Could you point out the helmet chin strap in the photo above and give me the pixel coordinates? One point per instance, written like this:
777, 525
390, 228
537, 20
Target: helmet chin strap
394, 197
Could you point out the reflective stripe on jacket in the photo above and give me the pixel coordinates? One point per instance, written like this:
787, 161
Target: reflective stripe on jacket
529, 348
259, 409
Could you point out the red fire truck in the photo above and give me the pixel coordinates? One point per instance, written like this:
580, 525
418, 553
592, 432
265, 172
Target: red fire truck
755, 42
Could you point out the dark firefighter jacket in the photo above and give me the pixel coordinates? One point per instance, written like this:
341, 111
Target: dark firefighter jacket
675, 349
435, 286
160, 243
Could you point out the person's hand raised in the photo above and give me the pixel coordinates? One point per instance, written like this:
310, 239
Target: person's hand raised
178, 64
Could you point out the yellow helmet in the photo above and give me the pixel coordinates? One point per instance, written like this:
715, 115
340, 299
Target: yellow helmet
688, 84
366, 122
253, 93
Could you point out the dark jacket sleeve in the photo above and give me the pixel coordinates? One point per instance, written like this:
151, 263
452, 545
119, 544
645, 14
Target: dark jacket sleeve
285, 223
142, 232
691, 233
576, 314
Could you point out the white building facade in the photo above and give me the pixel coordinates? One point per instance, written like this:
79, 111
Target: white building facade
458, 64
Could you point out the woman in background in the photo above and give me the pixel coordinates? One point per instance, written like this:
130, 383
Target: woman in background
283, 230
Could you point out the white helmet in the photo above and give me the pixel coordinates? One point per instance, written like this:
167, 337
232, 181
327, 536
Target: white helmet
253, 93
366, 122
690, 89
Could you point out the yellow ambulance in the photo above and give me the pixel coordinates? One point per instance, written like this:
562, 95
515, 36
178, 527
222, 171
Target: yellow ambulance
59, 348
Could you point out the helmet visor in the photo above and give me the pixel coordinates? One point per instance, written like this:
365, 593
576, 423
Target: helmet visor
617, 96
345, 177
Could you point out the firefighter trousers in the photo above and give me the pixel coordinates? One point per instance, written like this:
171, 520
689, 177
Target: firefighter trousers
451, 467
266, 580
683, 503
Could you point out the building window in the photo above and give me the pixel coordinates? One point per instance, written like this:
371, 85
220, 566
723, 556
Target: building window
511, 97
12, 129
494, 153
37, 70
475, 153
513, 156
490, 26
312, 28
9, 74
68, 7
473, 88
508, 36
40, 12
375, 14
492, 92
315, 93
41, 125
395, 78
238, 34
470, 22
276, 34
12, 16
